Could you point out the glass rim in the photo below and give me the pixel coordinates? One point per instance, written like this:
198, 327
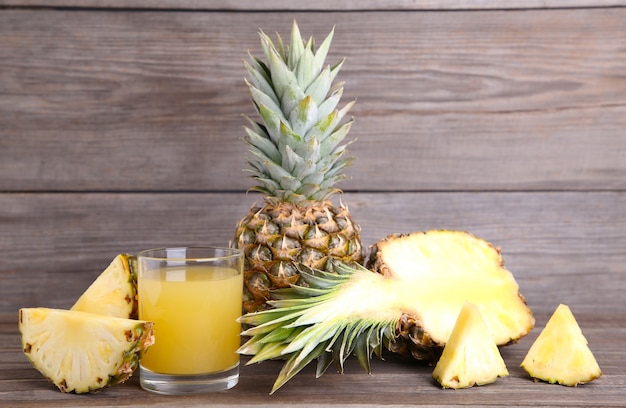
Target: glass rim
228, 253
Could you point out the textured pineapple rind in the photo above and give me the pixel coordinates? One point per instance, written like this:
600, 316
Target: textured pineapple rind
140, 338
277, 237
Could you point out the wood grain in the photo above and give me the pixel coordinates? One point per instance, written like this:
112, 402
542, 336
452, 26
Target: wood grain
323, 5
562, 247
482, 100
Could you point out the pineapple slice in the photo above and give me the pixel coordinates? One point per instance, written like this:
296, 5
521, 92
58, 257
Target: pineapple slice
83, 352
561, 354
113, 293
470, 357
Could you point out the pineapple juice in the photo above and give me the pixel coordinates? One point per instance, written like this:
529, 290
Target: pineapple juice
194, 309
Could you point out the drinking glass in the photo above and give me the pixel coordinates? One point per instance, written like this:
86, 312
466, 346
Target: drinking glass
193, 295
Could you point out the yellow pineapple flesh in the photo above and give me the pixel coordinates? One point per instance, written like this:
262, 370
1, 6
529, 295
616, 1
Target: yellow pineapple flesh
83, 352
560, 354
440, 271
113, 293
470, 357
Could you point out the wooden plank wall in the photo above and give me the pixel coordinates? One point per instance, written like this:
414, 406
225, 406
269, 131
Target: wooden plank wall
120, 129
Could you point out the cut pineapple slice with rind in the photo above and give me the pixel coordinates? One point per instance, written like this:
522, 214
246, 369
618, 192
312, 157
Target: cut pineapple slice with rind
439, 271
471, 356
113, 293
560, 354
83, 352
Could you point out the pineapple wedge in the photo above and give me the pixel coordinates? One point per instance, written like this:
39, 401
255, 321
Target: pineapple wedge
560, 354
83, 352
113, 293
470, 357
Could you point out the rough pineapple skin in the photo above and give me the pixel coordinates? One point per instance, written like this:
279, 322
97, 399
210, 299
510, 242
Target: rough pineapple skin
277, 236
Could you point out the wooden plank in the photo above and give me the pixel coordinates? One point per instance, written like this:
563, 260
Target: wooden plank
562, 247
325, 5
468, 100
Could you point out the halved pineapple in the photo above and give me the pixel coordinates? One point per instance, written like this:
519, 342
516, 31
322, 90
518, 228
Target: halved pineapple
410, 306
83, 352
560, 354
113, 293
470, 357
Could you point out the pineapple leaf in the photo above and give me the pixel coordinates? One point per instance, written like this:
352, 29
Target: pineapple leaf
291, 160
294, 365
330, 143
285, 83
261, 98
322, 51
296, 45
272, 122
313, 335
328, 106
305, 70
260, 81
262, 145
311, 151
323, 362
303, 116
319, 87
267, 352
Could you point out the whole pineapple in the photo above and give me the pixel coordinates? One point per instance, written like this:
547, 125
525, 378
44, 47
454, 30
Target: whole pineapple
297, 157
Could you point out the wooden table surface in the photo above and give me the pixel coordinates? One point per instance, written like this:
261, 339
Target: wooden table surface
392, 383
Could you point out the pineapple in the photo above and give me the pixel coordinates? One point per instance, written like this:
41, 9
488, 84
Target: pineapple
561, 354
409, 307
297, 157
83, 352
114, 292
470, 356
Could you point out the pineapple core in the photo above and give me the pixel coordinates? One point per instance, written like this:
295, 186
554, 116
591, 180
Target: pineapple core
560, 354
470, 356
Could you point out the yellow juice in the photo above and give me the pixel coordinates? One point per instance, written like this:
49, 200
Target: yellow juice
194, 309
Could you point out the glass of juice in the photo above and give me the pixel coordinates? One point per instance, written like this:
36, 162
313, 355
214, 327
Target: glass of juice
193, 295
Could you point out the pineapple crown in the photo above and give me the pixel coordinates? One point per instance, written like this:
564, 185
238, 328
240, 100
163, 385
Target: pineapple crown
304, 325
296, 153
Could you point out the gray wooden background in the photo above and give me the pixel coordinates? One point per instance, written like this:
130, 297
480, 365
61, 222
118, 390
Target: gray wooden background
121, 127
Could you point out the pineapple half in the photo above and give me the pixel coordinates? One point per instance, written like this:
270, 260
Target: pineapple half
296, 157
83, 352
409, 307
560, 354
470, 357
114, 292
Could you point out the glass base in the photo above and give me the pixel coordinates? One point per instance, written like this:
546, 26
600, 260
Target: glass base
174, 384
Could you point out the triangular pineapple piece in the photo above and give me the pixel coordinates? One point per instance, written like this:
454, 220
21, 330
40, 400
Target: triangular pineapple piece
113, 293
83, 352
561, 354
471, 356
